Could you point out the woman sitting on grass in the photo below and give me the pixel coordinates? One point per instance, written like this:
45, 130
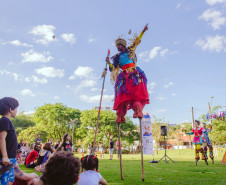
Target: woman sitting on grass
61, 169
91, 176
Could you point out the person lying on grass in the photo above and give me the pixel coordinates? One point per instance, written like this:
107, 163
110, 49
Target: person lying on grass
61, 169
90, 176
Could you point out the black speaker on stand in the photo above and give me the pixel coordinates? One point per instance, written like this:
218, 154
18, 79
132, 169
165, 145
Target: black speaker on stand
164, 133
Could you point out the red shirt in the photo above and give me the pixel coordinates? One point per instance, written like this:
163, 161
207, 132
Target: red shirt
31, 157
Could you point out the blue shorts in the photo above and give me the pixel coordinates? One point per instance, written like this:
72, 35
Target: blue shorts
9, 175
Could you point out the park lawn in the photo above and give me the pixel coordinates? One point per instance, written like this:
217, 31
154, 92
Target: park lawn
183, 171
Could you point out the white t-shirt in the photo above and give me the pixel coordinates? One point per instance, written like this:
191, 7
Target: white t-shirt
89, 177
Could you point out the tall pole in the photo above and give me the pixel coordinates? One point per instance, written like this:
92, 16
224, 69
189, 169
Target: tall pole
120, 150
141, 149
73, 130
210, 110
101, 96
192, 113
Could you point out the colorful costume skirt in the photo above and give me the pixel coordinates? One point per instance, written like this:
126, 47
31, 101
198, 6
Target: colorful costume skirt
197, 140
130, 86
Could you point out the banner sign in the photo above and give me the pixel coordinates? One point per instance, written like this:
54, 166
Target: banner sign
147, 134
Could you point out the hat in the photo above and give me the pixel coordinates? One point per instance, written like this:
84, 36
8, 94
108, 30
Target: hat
121, 41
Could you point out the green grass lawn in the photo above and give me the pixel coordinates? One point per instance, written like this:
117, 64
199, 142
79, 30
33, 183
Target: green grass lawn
183, 171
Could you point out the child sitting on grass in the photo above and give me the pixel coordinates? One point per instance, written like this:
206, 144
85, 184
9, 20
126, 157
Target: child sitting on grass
61, 169
91, 176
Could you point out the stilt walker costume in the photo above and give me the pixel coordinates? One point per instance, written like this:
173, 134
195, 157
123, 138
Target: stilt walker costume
207, 142
198, 140
130, 85
130, 81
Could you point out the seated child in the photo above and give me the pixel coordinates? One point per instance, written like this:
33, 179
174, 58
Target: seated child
61, 169
91, 176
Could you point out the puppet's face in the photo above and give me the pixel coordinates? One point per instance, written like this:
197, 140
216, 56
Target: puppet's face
121, 48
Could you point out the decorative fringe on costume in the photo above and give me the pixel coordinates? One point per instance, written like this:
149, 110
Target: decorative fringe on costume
114, 74
135, 74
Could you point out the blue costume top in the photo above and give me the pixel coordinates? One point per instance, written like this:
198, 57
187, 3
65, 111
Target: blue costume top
205, 135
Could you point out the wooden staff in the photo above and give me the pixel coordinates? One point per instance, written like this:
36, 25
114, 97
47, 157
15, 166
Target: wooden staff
120, 151
141, 149
192, 114
101, 96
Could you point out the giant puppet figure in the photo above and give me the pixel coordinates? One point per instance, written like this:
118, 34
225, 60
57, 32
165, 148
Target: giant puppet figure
130, 81
207, 142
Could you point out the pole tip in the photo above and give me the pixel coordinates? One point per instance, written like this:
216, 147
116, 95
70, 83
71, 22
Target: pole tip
143, 180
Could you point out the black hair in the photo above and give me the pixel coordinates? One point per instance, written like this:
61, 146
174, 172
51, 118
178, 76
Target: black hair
6, 104
197, 121
61, 169
64, 137
89, 162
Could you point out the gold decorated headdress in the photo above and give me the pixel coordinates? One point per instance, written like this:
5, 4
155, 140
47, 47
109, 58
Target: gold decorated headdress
120, 41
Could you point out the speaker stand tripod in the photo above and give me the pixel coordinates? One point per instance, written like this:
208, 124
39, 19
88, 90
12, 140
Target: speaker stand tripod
165, 153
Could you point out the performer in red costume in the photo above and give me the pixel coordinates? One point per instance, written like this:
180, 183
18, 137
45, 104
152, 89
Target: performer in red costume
130, 81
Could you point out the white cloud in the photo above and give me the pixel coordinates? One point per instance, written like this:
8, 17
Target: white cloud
46, 32
39, 80
91, 39
160, 98
173, 94
67, 86
82, 72
17, 43
27, 92
217, 43
94, 89
161, 110
168, 85
69, 37
50, 72
29, 112
11, 63
214, 18
154, 52
56, 97
96, 99
142, 55
151, 87
32, 56
14, 75
213, 2
88, 83
163, 52
178, 6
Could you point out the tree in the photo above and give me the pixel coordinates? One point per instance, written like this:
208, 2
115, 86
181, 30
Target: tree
107, 128
218, 133
53, 120
187, 127
22, 121
156, 130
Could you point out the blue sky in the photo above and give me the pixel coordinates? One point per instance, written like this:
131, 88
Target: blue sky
183, 53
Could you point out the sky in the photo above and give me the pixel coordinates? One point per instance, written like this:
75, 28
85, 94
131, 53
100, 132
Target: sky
183, 53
